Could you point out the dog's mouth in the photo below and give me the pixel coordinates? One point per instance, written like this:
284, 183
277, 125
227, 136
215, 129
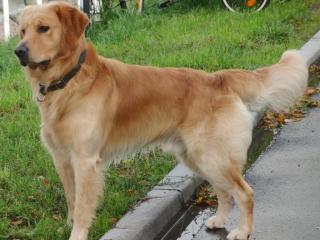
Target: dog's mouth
43, 65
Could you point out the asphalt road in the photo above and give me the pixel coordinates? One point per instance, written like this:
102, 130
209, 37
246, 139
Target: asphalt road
286, 181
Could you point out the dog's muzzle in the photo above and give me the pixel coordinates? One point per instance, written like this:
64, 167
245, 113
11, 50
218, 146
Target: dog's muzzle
22, 53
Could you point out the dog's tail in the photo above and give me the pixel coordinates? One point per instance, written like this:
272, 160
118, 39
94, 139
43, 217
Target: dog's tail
275, 87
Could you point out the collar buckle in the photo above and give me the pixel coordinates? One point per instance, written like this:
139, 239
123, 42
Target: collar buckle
41, 98
43, 89
42, 93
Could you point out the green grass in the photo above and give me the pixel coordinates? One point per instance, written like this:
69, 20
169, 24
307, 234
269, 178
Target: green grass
192, 33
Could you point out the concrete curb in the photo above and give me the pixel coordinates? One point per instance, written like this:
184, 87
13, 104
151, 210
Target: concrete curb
311, 49
162, 204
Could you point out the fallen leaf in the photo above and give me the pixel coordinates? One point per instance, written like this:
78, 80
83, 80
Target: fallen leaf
45, 182
16, 222
314, 103
199, 200
281, 118
310, 91
57, 217
296, 115
131, 192
30, 197
212, 203
113, 220
206, 196
314, 68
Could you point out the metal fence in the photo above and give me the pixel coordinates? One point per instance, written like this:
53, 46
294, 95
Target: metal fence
6, 12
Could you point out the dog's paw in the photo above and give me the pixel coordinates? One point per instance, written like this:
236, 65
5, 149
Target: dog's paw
214, 222
78, 234
238, 234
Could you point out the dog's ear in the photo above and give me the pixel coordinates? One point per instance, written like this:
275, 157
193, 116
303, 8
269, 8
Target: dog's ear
73, 20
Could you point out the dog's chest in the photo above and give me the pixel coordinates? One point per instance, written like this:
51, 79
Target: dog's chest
57, 127
54, 137
50, 138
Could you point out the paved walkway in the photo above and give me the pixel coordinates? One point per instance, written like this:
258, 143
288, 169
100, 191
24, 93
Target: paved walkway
286, 181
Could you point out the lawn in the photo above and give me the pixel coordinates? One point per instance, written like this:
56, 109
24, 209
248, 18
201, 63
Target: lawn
191, 33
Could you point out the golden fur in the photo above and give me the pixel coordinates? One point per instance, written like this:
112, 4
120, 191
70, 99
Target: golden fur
110, 108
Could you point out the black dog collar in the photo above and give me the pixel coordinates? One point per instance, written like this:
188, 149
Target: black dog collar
60, 84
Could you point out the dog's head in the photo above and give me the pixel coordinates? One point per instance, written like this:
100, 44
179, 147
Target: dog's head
48, 33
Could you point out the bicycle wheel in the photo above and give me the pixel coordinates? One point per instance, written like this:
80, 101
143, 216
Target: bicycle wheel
130, 6
246, 5
133, 6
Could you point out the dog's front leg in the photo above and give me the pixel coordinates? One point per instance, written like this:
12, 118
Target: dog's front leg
65, 170
89, 186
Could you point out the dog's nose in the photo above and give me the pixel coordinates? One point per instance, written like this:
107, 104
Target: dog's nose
21, 51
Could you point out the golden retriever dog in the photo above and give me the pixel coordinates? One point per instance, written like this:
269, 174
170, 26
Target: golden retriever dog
94, 109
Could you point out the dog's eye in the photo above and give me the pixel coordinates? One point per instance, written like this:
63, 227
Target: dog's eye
22, 33
43, 29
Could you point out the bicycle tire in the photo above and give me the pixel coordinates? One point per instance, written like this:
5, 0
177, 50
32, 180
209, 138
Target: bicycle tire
130, 6
260, 7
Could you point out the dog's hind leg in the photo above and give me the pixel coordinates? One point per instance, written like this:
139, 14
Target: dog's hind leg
228, 182
217, 150
89, 187
243, 195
